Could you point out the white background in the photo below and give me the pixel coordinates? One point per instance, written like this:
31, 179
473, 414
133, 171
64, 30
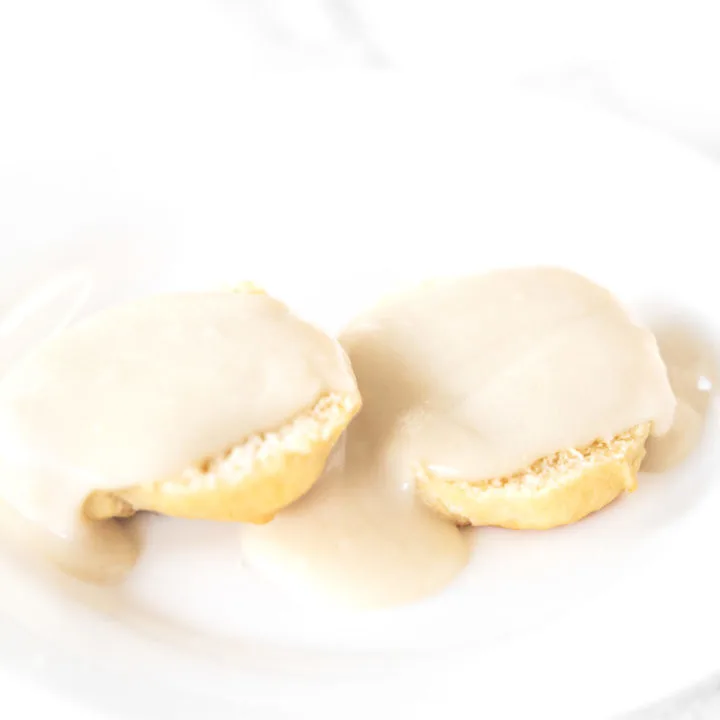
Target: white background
654, 62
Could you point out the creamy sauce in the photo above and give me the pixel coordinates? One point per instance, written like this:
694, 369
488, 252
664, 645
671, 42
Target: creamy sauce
693, 372
139, 393
475, 378
500, 370
101, 552
360, 538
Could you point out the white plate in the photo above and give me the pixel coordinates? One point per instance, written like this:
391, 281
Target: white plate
327, 193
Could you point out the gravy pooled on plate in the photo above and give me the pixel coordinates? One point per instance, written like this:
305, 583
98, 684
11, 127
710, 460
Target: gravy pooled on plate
472, 378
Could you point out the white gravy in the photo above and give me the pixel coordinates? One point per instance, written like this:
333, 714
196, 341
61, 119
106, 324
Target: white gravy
142, 391
476, 378
693, 372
